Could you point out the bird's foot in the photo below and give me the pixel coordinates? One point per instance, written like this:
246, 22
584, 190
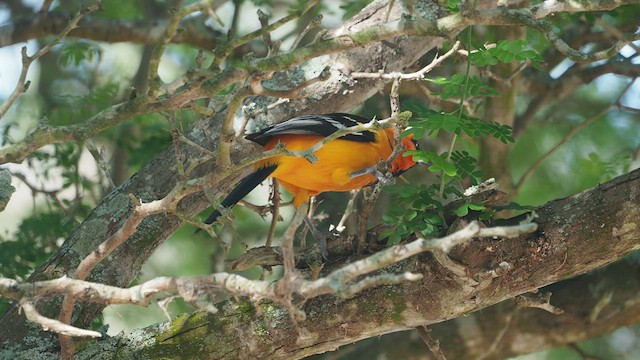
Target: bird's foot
375, 171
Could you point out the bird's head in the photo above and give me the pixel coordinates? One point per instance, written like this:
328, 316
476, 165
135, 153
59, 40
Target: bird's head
403, 163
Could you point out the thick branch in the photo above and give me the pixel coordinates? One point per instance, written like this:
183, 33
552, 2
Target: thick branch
576, 235
366, 54
359, 37
109, 30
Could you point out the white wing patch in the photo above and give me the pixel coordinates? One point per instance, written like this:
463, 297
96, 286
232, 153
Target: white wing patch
321, 125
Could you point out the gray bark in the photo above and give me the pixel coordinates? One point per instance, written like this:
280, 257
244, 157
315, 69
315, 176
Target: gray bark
576, 235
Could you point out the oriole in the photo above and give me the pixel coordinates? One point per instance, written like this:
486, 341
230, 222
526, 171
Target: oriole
342, 164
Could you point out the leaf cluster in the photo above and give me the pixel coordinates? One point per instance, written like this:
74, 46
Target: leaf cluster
505, 51
418, 209
431, 122
414, 209
77, 52
455, 86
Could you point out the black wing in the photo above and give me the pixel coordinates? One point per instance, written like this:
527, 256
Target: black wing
319, 125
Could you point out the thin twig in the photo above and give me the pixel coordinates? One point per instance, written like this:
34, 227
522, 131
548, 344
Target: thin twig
454, 136
275, 211
234, 18
154, 62
349, 209
288, 257
44, 9
567, 137
394, 100
55, 326
266, 35
228, 134
53, 194
313, 206
315, 22
337, 282
22, 86
377, 280
418, 75
498, 338
540, 301
223, 51
249, 112
103, 164
617, 33
95, 257
433, 345
176, 136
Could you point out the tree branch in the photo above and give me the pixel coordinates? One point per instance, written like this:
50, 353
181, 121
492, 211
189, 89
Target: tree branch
23, 85
213, 82
160, 176
194, 32
549, 7
336, 282
557, 250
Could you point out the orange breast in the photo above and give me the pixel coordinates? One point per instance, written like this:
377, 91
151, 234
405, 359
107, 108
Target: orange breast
336, 160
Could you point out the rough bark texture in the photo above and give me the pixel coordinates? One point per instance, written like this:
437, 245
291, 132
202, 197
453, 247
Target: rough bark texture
157, 178
504, 330
576, 235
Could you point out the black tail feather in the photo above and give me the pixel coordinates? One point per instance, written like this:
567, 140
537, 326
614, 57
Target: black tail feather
242, 189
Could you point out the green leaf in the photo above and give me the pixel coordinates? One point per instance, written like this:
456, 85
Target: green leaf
463, 210
466, 166
394, 238
475, 127
477, 87
487, 214
455, 86
76, 52
410, 215
505, 51
476, 207
514, 206
413, 212
434, 219
454, 5
432, 122
429, 230
439, 163
386, 233
436, 122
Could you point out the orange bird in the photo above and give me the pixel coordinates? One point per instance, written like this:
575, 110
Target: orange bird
344, 164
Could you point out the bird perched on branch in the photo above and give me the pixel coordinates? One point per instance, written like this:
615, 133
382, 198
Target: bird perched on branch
346, 163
